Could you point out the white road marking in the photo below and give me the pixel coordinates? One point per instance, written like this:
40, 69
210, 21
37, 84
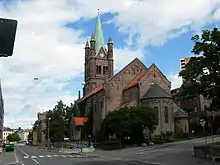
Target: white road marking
26, 157
55, 155
33, 157
49, 156
23, 152
35, 161
63, 156
41, 156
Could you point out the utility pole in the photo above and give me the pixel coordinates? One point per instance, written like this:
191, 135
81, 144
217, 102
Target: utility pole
48, 134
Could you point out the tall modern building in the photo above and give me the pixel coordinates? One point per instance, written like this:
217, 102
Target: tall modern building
1, 113
183, 63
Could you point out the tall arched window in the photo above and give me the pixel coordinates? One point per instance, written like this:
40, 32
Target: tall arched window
100, 69
156, 109
166, 114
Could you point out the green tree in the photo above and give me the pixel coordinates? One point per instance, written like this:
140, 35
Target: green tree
14, 137
56, 121
130, 122
203, 70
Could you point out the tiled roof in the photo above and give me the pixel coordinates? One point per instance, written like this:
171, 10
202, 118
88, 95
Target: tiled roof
135, 80
122, 106
156, 91
180, 114
78, 121
91, 93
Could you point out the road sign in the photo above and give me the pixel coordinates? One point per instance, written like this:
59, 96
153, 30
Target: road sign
8, 29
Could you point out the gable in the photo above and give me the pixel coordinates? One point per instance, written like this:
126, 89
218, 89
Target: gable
102, 51
134, 65
156, 71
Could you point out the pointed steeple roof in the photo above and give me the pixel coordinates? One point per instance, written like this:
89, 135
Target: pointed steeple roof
87, 44
99, 38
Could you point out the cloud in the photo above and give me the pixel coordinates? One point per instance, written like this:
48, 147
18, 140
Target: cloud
46, 48
158, 20
176, 81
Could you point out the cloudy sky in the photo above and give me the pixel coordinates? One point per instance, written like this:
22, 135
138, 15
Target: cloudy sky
50, 44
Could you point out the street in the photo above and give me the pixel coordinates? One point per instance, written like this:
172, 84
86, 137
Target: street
180, 153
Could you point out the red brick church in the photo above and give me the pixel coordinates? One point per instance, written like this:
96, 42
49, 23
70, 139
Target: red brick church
136, 84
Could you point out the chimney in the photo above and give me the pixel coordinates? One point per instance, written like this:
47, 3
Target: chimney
79, 95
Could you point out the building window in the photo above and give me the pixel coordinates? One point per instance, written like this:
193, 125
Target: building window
101, 105
166, 114
154, 75
156, 109
100, 70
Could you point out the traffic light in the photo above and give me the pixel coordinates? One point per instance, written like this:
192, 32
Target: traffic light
8, 29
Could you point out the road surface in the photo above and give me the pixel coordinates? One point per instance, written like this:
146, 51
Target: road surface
179, 153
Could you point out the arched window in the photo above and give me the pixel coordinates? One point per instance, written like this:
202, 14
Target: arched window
100, 70
166, 114
157, 112
104, 69
97, 69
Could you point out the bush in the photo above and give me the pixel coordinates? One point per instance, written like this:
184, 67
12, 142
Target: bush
109, 145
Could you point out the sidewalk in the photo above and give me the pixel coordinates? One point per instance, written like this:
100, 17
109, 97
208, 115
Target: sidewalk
7, 158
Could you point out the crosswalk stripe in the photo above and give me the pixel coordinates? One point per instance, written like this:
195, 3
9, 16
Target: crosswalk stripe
41, 156
26, 157
33, 157
55, 155
49, 156
63, 156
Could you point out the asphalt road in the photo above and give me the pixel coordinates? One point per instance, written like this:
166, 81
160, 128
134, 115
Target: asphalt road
29, 155
179, 153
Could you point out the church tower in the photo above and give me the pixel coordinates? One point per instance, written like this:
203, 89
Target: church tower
99, 62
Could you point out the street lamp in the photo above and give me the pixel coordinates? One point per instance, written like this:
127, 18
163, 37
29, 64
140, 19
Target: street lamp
48, 133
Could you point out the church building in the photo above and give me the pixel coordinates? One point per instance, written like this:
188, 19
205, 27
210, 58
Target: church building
134, 85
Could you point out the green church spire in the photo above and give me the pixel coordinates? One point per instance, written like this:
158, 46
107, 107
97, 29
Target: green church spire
99, 38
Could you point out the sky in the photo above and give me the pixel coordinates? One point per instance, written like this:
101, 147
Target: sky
51, 36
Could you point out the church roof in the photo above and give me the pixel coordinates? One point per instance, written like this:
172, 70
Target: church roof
135, 80
180, 114
99, 38
156, 91
91, 93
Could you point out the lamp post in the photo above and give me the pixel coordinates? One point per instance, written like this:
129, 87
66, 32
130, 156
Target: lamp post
48, 133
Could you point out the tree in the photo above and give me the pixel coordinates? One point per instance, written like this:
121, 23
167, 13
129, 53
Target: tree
14, 137
130, 122
57, 122
203, 71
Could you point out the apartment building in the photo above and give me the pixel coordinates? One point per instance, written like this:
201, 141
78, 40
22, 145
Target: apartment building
183, 63
6, 132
